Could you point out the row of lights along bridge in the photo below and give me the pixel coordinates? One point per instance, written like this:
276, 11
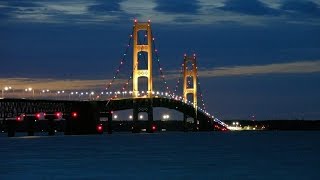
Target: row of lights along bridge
82, 95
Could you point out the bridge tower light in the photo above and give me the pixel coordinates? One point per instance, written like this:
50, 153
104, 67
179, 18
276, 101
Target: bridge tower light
137, 48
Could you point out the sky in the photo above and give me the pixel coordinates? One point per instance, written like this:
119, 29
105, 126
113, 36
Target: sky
256, 58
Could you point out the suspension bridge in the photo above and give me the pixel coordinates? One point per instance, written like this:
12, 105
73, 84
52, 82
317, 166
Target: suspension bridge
83, 117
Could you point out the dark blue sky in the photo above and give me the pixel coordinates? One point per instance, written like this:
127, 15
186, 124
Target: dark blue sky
255, 57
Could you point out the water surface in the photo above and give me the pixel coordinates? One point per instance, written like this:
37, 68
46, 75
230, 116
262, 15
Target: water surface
204, 155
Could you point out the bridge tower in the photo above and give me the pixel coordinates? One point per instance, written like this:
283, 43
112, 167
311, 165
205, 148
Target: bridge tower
137, 48
190, 72
145, 48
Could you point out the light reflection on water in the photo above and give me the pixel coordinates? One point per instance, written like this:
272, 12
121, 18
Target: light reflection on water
213, 155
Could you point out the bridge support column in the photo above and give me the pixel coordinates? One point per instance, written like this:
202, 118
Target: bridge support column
51, 124
109, 126
135, 127
83, 119
150, 120
195, 124
51, 127
30, 120
185, 125
142, 107
11, 127
68, 126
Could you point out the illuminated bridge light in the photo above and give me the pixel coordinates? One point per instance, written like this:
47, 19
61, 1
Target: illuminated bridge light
74, 114
154, 128
38, 115
99, 128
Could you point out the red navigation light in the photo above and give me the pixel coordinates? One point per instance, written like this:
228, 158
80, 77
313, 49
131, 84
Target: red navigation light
18, 118
38, 115
58, 114
74, 114
99, 128
154, 128
135, 20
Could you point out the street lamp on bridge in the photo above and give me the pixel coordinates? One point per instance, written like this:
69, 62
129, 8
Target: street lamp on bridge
165, 117
7, 88
30, 89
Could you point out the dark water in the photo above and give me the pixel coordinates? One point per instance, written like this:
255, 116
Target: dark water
214, 155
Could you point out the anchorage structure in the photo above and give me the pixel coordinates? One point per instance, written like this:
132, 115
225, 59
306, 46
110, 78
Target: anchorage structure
137, 48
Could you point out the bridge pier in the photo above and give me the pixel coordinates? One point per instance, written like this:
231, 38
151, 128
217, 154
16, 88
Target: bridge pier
51, 124
109, 127
150, 120
135, 127
30, 120
185, 125
68, 125
108, 115
142, 107
196, 124
83, 119
11, 127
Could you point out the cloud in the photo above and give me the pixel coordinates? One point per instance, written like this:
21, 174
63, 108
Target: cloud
53, 84
185, 19
302, 7
200, 12
248, 7
177, 6
100, 84
46, 11
283, 68
105, 7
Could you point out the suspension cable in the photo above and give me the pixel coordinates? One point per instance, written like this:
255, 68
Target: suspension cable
160, 67
179, 79
122, 61
201, 94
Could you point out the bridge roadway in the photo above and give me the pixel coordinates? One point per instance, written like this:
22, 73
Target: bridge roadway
93, 110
